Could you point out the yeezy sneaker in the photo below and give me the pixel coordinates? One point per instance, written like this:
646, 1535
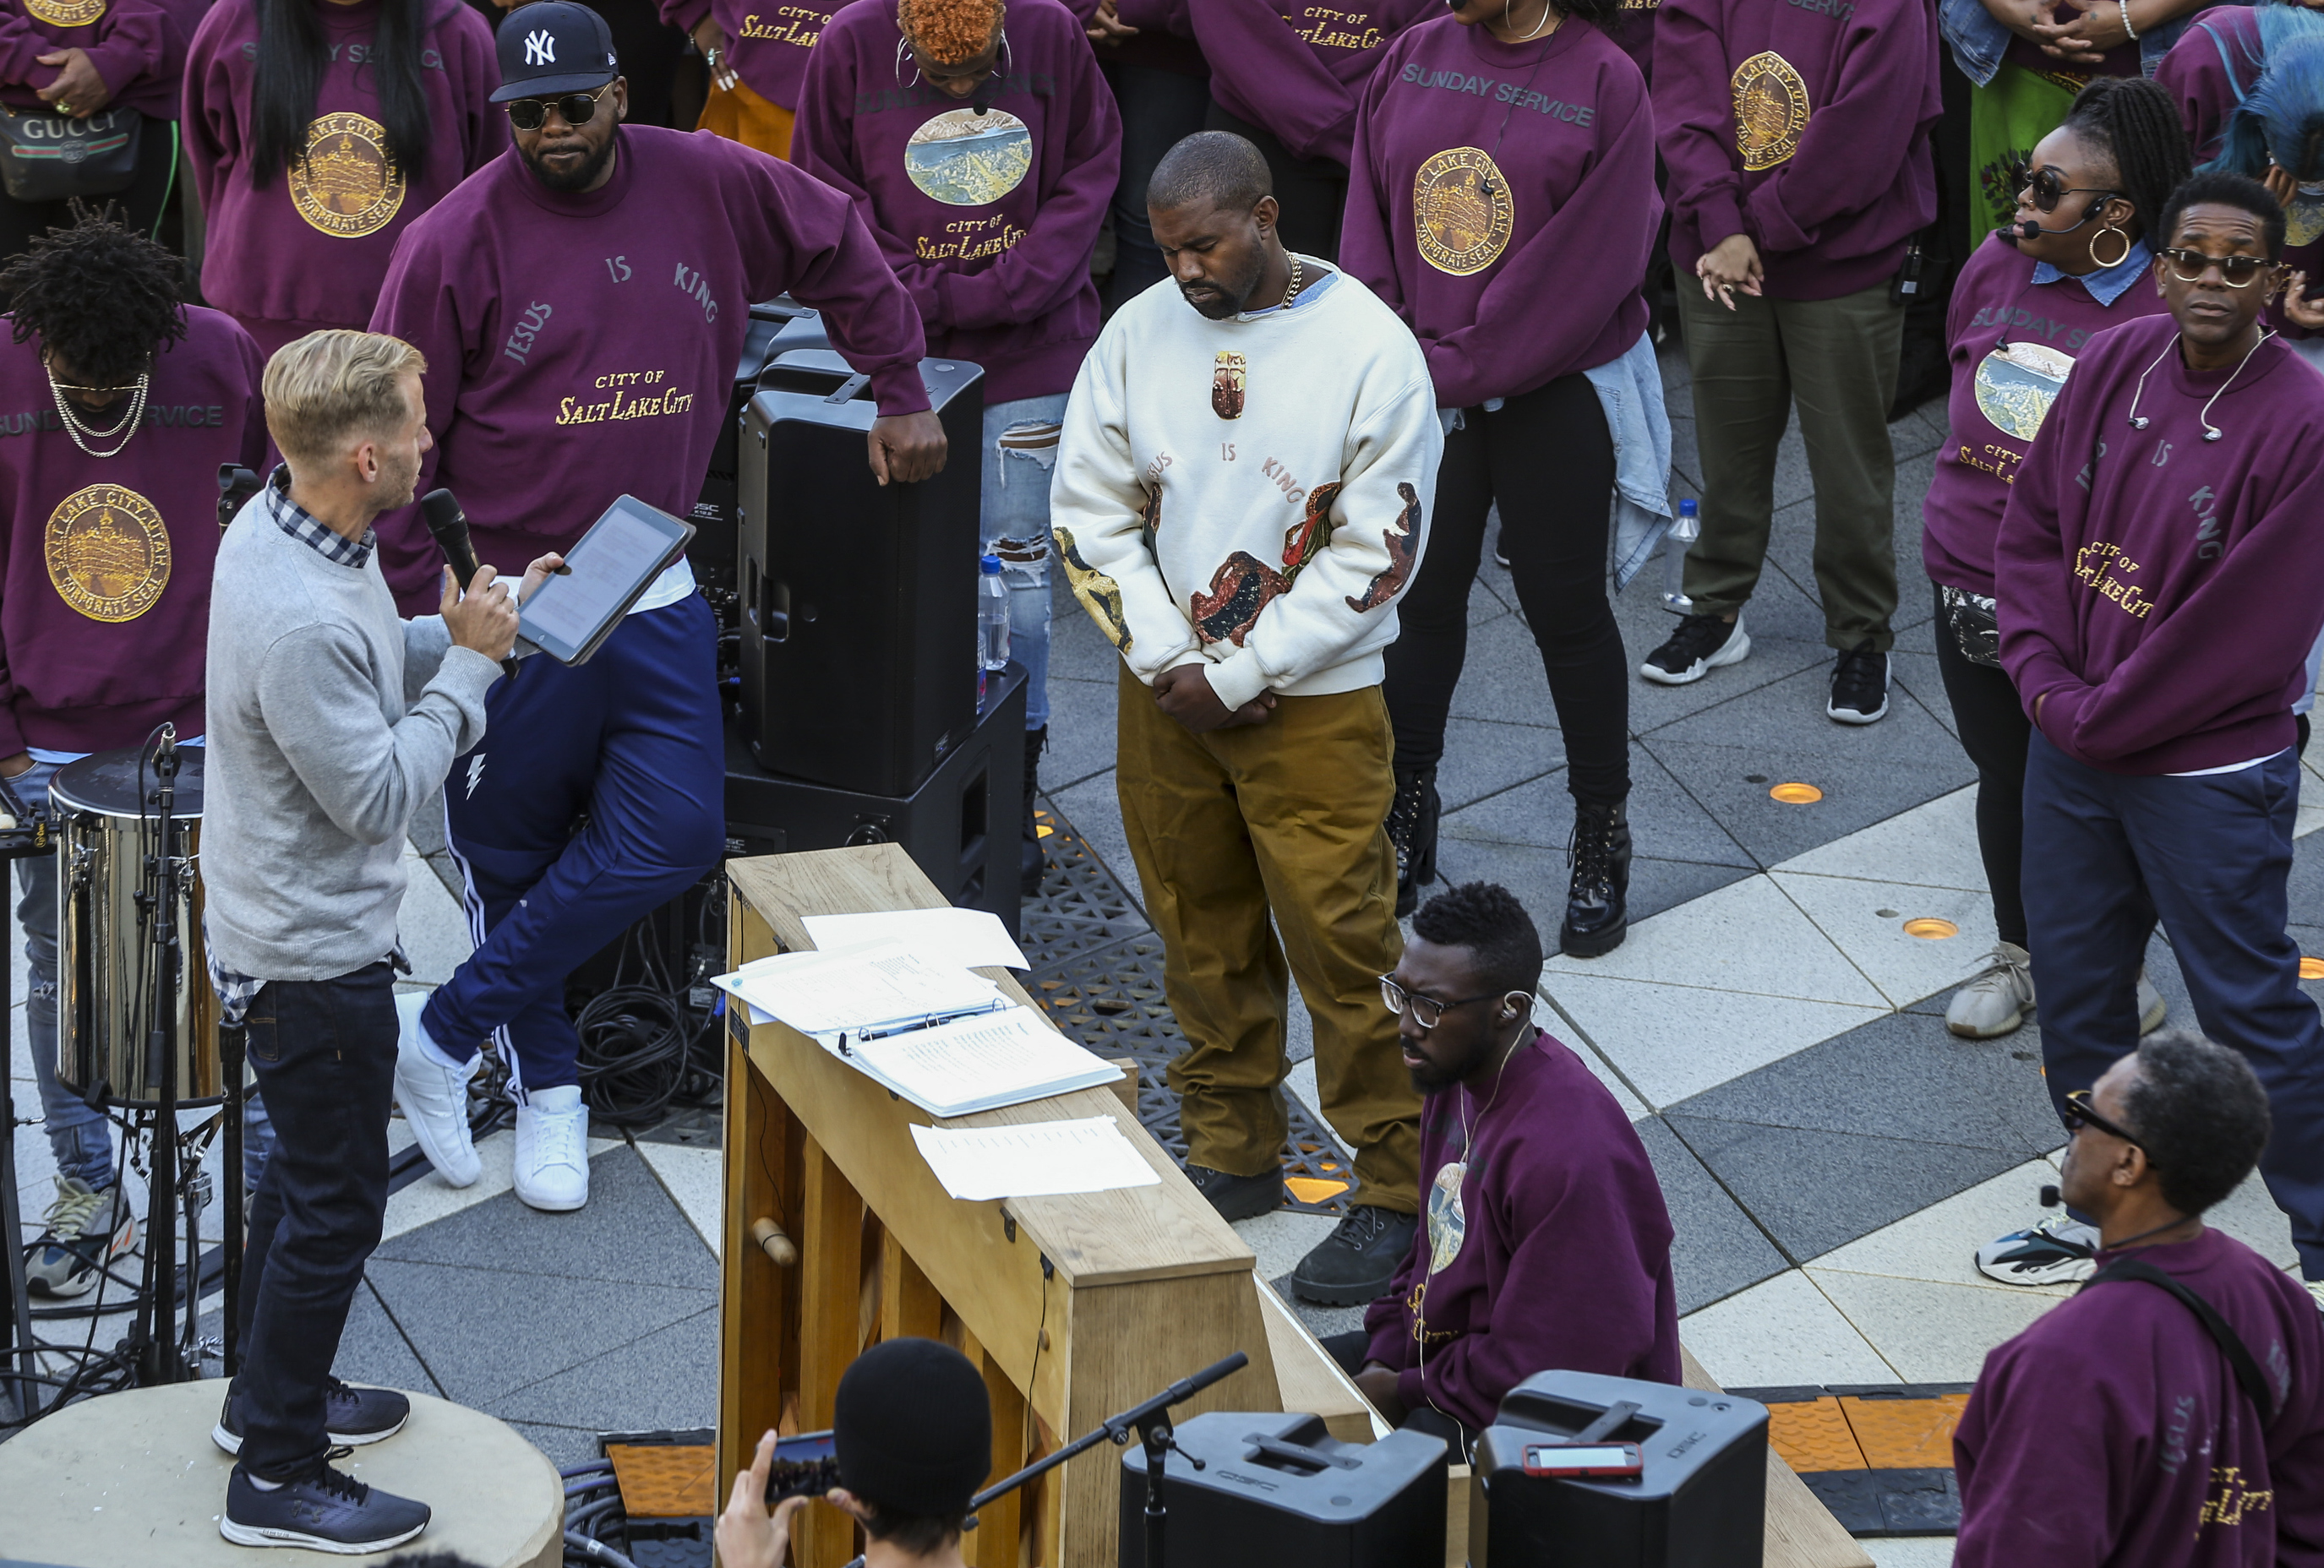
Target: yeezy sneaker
1701, 644
1358, 1261
552, 1149
2152, 1008
323, 1510
434, 1097
352, 1417
1238, 1197
87, 1228
2057, 1251
1859, 686
1996, 999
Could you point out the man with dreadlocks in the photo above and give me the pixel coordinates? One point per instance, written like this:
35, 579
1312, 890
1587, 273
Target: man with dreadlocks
117, 404
981, 146
2250, 82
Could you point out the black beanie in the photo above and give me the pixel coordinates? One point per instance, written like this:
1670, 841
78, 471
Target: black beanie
912, 1426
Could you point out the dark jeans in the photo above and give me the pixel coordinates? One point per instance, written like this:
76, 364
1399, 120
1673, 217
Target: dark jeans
1348, 1351
324, 1051
1159, 109
2105, 854
1548, 458
1312, 192
1994, 731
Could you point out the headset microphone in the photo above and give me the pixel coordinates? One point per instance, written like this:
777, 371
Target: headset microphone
448, 526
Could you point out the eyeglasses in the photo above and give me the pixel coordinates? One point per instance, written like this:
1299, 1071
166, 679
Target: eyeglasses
2239, 271
577, 109
1427, 1011
2078, 1114
2048, 189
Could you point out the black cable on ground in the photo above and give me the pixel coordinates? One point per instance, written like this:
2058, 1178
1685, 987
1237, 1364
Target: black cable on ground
650, 1040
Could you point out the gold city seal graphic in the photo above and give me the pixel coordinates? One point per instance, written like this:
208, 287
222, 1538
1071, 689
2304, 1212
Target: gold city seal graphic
1771, 110
2303, 220
108, 552
67, 13
345, 185
1461, 214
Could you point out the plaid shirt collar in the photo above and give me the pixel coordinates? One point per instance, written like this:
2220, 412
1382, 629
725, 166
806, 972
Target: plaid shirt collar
304, 526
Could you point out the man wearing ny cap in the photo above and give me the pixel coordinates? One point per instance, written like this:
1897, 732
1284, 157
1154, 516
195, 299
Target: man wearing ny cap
585, 296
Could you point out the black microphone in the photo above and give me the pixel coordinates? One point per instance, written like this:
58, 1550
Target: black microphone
447, 525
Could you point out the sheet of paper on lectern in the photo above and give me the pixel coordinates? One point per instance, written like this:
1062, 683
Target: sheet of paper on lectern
877, 986
978, 1064
974, 939
1033, 1159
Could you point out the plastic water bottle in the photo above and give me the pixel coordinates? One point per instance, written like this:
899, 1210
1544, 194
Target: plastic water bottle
992, 623
1684, 532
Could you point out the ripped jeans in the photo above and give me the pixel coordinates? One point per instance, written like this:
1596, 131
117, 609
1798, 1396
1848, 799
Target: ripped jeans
1020, 453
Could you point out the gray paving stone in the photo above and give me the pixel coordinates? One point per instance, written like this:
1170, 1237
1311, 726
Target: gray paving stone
1321, 1321
1078, 651
1918, 675
1539, 877
1081, 730
1813, 1191
630, 1231
1502, 678
566, 1447
1483, 757
666, 1378
484, 1332
1778, 608
1665, 822
1715, 1249
1772, 659
373, 1350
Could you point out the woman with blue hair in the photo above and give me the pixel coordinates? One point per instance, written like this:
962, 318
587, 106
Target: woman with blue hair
2249, 81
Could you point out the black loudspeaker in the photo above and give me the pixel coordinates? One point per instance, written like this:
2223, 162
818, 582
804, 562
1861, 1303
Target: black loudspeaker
961, 826
859, 649
1277, 1491
1699, 1503
776, 327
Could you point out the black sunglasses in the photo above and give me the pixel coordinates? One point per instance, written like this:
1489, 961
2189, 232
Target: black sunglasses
2048, 190
2078, 1114
1427, 1011
2188, 266
577, 109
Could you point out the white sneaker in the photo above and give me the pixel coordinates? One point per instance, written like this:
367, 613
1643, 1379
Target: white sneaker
2152, 1008
2316, 1288
2058, 1250
1996, 1000
434, 1097
552, 1149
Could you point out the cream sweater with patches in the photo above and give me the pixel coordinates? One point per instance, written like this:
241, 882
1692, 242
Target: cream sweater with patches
1250, 492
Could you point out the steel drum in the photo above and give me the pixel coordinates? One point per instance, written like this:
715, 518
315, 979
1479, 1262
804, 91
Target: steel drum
105, 974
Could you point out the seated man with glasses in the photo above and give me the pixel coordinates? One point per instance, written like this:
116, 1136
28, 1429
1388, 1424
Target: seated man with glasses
2159, 580
585, 298
1545, 1243
2121, 1429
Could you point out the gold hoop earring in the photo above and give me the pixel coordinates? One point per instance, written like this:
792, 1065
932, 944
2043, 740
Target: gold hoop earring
2128, 245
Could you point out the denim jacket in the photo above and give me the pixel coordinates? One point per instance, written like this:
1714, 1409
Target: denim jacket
1977, 41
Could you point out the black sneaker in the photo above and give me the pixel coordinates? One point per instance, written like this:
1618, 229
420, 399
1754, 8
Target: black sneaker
1701, 644
1238, 1197
1357, 1262
1411, 828
324, 1510
1859, 685
1597, 902
352, 1417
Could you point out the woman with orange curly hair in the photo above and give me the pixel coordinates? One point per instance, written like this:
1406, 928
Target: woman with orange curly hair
981, 144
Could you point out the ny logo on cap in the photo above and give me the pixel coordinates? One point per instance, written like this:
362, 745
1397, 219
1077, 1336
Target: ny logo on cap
540, 48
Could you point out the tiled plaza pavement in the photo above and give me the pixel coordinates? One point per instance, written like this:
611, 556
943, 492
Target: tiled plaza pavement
1830, 1154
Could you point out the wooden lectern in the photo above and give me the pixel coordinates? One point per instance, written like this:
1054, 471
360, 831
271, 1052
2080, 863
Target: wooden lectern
1075, 1307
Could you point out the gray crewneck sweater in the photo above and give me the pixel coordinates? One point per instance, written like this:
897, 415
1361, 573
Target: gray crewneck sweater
330, 719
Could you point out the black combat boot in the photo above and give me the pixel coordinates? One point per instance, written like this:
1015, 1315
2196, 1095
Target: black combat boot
1411, 828
1597, 904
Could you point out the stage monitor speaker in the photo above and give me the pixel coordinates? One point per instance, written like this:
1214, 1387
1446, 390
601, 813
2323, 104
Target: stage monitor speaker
858, 647
961, 826
1699, 1503
1277, 1489
774, 327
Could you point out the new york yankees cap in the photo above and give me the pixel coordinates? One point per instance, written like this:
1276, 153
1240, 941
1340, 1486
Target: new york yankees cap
551, 47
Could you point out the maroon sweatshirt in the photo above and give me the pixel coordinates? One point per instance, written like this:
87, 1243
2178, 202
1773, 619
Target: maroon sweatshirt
1298, 68
135, 47
2012, 344
988, 208
308, 250
580, 346
2161, 589
1550, 1248
104, 562
2215, 63
1502, 202
1830, 176
2113, 1432
769, 42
